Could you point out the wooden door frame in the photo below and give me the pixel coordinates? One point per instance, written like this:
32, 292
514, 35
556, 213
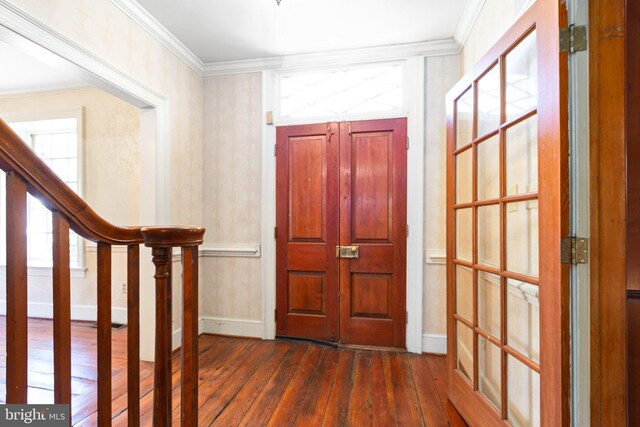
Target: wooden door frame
633, 206
415, 106
608, 131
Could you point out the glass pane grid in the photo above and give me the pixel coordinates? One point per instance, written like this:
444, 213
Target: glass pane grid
464, 118
59, 151
489, 101
465, 351
504, 206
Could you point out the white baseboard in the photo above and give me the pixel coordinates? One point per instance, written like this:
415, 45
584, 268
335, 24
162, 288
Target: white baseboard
434, 343
176, 339
78, 312
236, 327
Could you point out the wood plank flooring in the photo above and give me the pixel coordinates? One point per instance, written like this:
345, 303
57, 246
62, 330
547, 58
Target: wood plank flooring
246, 382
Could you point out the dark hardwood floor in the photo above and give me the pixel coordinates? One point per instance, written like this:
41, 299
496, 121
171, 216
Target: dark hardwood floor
247, 382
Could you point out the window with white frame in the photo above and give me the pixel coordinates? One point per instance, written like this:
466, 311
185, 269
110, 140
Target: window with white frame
57, 143
341, 92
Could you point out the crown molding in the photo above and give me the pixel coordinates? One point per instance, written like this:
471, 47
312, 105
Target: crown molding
300, 61
469, 17
335, 58
150, 24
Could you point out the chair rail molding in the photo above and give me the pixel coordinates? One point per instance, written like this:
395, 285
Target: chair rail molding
435, 257
230, 250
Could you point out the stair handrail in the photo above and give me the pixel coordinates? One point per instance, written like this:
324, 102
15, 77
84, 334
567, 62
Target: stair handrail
16, 156
27, 173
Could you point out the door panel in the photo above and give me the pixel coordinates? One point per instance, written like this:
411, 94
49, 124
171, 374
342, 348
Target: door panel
373, 212
507, 192
307, 179
371, 182
342, 184
306, 270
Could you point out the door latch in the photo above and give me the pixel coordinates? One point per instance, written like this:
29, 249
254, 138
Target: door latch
347, 251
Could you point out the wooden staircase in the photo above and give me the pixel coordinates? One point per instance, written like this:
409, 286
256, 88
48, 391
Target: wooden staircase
26, 173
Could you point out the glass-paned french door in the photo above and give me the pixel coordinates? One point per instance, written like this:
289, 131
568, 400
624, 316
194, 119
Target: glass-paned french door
507, 289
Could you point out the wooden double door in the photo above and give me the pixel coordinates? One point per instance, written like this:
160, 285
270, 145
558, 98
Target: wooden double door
341, 232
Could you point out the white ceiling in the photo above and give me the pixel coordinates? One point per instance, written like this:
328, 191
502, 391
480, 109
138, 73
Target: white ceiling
229, 30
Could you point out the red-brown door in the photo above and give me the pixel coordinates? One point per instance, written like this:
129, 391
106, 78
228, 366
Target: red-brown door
307, 231
341, 232
507, 215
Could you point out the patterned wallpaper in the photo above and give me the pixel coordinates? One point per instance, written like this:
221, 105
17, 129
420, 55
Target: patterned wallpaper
231, 193
439, 79
494, 19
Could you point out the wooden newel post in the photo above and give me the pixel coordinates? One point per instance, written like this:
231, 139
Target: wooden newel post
161, 240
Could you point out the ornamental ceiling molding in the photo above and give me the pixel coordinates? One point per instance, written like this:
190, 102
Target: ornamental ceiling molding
151, 25
450, 46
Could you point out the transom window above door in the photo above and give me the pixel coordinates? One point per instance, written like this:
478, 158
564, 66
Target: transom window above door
341, 92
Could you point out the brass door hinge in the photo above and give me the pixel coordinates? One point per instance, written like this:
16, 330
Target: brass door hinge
269, 117
574, 250
573, 39
275, 232
407, 143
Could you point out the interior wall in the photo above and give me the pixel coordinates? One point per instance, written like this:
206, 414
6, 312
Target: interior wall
111, 131
492, 22
441, 74
232, 286
232, 137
